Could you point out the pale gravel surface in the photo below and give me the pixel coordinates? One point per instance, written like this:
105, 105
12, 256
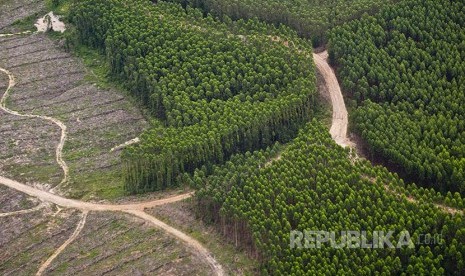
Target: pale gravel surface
340, 118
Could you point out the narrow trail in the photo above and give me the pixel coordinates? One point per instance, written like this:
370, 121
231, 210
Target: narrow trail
136, 209
411, 199
60, 249
338, 133
59, 148
22, 212
340, 120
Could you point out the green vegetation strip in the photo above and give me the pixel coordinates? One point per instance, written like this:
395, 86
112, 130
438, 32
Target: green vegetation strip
315, 186
405, 68
220, 88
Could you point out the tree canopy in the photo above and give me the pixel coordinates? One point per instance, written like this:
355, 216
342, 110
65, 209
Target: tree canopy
405, 68
219, 87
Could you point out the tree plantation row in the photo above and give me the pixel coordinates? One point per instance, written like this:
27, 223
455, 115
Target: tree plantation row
219, 88
256, 202
310, 18
235, 101
405, 68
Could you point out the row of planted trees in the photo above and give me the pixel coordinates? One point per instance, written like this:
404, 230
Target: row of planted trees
217, 92
256, 202
310, 18
405, 68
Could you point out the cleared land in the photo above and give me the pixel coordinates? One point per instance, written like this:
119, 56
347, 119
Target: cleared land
51, 82
12, 201
182, 215
28, 239
12, 10
118, 244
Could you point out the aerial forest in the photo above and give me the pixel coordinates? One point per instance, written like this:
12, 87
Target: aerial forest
405, 67
310, 18
236, 98
256, 199
218, 87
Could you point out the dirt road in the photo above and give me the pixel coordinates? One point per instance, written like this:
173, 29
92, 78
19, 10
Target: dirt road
135, 209
199, 248
340, 119
59, 148
22, 212
60, 249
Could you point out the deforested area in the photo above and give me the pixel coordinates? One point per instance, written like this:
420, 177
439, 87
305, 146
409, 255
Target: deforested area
51, 82
206, 137
115, 244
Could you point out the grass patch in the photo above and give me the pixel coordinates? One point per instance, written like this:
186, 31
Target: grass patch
26, 24
59, 7
106, 184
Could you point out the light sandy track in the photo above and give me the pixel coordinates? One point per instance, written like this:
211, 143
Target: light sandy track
21, 212
125, 144
136, 209
21, 33
60, 249
199, 248
340, 119
87, 206
59, 149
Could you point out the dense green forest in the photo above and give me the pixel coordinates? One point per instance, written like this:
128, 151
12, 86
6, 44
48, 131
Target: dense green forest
219, 87
231, 96
405, 68
310, 18
314, 185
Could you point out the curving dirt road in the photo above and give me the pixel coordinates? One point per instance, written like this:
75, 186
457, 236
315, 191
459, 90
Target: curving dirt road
87, 206
338, 133
59, 149
340, 119
199, 248
136, 209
